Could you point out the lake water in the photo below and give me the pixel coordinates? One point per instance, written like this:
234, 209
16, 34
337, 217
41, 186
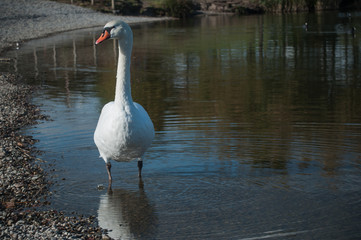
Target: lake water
258, 127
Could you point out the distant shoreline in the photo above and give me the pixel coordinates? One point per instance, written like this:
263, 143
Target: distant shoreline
189, 8
24, 20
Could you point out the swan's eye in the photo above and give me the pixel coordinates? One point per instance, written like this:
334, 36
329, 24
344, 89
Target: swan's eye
108, 29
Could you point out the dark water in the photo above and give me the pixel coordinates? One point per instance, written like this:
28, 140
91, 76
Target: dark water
258, 127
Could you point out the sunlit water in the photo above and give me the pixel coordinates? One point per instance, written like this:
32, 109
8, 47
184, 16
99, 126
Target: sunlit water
258, 127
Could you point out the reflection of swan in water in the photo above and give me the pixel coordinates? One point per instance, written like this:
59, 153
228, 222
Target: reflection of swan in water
127, 214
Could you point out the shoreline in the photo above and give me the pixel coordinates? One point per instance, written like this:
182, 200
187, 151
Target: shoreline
24, 184
25, 20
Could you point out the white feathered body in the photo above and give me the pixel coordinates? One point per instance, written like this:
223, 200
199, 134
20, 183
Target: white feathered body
124, 132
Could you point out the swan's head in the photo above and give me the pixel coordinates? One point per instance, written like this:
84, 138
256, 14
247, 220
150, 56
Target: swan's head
118, 30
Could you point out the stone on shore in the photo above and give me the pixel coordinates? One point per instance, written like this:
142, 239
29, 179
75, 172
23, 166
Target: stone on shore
23, 183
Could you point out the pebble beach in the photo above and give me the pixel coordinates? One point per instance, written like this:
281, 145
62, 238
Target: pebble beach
24, 184
28, 19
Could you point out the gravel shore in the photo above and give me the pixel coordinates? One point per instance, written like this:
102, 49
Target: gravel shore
24, 184
28, 19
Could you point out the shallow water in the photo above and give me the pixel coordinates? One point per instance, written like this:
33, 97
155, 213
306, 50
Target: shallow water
258, 127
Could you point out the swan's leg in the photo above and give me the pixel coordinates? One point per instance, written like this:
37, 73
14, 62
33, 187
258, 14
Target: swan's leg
141, 184
140, 166
109, 166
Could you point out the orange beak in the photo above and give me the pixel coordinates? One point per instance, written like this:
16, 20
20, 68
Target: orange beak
105, 35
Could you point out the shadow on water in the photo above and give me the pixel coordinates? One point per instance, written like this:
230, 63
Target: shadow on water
258, 126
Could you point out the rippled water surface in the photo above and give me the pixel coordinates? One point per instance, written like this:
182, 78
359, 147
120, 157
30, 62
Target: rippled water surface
258, 127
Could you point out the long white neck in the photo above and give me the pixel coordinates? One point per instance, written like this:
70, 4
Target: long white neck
123, 95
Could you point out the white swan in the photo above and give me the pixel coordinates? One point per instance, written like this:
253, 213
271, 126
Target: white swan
124, 130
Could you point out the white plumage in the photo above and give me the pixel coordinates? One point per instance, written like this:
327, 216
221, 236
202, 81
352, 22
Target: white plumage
124, 130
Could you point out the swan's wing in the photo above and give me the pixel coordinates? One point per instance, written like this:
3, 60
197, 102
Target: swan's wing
102, 127
105, 115
145, 119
